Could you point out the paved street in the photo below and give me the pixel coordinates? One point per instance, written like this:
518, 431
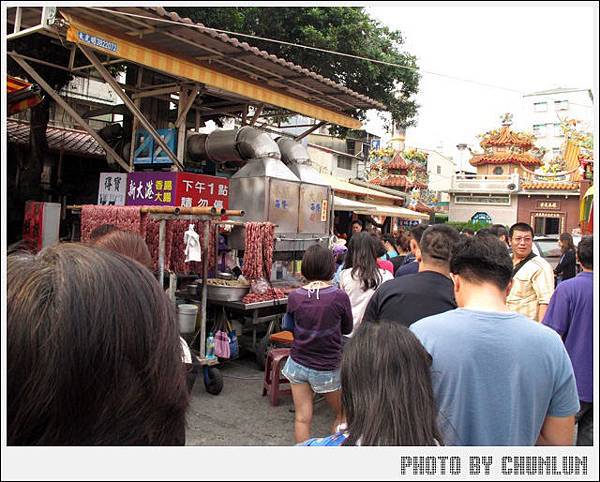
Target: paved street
241, 416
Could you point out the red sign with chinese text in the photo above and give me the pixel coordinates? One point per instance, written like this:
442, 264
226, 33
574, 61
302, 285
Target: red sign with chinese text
199, 190
33, 225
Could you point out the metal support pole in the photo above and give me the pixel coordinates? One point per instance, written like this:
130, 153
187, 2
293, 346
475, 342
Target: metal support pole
135, 123
308, 131
206, 238
72, 57
217, 269
130, 104
18, 16
197, 123
172, 286
257, 114
162, 232
60, 101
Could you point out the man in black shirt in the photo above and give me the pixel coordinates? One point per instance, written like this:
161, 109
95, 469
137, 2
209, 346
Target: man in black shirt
430, 291
410, 264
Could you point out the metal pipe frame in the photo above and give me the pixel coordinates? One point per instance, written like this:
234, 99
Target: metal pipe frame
60, 101
130, 104
206, 238
312, 129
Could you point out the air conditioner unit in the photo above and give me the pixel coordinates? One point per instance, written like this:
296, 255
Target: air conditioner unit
512, 186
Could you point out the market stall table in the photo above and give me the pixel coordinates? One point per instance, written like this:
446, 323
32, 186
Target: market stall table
259, 314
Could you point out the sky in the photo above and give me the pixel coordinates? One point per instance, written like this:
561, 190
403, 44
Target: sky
527, 49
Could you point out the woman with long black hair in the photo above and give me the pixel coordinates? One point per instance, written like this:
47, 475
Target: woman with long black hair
387, 396
361, 275
566, 268
93, 352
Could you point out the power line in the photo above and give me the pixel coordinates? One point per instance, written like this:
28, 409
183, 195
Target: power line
332, 52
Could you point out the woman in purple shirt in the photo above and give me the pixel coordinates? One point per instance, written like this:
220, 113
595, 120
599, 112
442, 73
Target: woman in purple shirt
319, 314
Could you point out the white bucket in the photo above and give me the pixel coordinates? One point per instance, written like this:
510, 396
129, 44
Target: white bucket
186, 318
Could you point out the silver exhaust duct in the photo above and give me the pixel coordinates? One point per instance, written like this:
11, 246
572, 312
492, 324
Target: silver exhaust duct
296, 157
237, 145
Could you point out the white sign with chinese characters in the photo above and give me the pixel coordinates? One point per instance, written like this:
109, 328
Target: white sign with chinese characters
112, 188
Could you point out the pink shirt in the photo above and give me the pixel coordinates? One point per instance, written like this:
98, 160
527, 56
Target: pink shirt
386, 265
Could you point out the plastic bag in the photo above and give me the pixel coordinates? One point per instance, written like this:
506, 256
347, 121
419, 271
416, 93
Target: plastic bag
259, 286
222, 345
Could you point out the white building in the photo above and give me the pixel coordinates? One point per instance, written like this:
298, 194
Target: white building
544, 111
440, 169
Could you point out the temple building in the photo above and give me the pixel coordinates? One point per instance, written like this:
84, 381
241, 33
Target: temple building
405, 172
511, 186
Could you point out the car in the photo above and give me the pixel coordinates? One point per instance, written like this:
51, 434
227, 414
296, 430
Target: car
547, 247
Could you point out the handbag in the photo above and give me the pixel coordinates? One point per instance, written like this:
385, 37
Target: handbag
222, 345
222, 349
234, 348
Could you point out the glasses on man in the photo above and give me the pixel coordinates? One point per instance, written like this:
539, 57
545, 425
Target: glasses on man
525, 239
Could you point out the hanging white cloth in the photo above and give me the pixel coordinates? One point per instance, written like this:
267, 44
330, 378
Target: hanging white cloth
191, 238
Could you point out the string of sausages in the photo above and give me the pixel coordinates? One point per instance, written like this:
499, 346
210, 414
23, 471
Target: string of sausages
258, 250
130, 218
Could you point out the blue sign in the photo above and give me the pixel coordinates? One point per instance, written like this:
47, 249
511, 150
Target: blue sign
375, 143
147, 151
97, 41
481, 218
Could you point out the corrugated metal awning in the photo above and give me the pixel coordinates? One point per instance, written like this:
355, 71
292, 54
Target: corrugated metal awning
194, 52
59, 139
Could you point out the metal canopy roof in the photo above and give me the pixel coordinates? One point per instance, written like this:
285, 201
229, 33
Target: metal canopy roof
59, 139
167, 32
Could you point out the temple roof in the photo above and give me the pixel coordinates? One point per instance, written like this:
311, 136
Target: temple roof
550, 185
505, 137
392, 181
506, 158
397, 162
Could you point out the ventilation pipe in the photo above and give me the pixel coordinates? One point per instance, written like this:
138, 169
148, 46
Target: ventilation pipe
238, 145
296, 157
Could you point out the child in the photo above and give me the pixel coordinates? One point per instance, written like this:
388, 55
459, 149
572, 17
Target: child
319, 314
387, 394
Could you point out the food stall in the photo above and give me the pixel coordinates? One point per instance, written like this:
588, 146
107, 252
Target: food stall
206, 76
276, 187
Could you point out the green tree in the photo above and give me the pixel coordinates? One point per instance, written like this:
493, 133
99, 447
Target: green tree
348, 30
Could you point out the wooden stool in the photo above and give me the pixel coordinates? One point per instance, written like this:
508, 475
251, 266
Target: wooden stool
273, 378
282, 337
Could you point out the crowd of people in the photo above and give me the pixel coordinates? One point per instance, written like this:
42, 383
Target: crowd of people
432, 338
468, 344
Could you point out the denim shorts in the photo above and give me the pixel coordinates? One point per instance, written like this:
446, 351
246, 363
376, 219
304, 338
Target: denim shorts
319, 381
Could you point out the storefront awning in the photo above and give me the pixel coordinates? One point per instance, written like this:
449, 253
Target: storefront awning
395, 212
342, 204
340, 186
180, 56
21, 95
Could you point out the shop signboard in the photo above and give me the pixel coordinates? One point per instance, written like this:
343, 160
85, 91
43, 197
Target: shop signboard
183, 189
151, 188
112, 189
199, 190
